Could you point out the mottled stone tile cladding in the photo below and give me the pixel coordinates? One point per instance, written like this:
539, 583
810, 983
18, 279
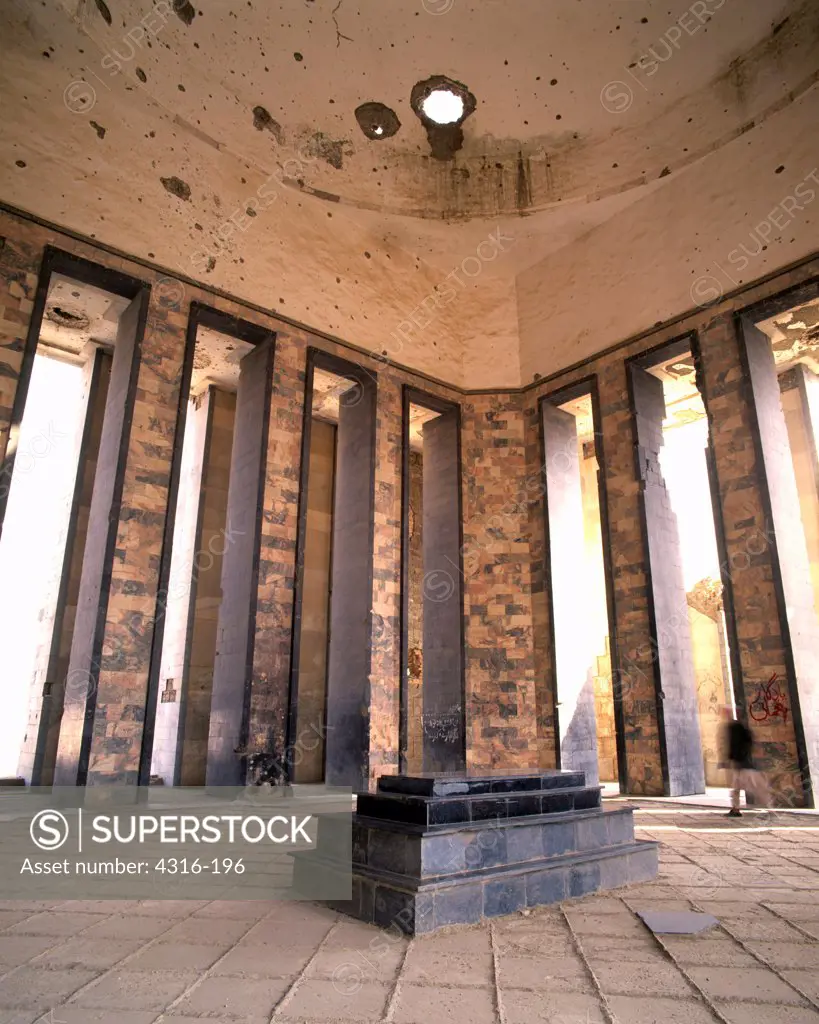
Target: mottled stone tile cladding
508, 664
748, 563
502, 712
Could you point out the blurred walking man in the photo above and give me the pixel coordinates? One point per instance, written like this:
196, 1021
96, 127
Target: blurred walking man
738, 743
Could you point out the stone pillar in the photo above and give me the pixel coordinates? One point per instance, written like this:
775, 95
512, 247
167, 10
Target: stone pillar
19, 265
415, 616
235, 640
533, 495
443, 696
633, 649
748, 555
269, 698
500, 472
348, 660
82, 681
574, 658
385, 642
113, 676
38, 758
800, 623
678, 710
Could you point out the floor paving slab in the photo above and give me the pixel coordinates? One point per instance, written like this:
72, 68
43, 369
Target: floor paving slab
634, 979
766, 1013
522, 1007
55, 923
84, 1015
39, 988
264, 960
606, 948
177, 956
233, 997
92, 954
545, 975
795, 955
659, 1010
417, 1004
429, 967
18, 949
740, 983
207, 933
806, 980
124, 928
707, 951
322, 1000
350, 965
135, 990
174, 1019
274, 933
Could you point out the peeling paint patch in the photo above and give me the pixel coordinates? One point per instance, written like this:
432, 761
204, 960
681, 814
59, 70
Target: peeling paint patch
263, 121
102, 7
177, 187
185, 11
327, 149
98, 129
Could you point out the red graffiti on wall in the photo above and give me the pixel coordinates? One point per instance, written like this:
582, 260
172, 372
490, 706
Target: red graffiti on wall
769, 702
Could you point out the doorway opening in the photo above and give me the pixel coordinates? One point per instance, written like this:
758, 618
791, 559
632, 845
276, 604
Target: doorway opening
691, 631
587, 713
49, 480
210, 537
328, 723
432, 712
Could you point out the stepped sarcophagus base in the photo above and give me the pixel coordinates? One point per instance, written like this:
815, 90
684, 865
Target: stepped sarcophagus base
430, 851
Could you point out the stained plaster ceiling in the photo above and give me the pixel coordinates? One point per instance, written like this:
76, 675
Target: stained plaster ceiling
220, 140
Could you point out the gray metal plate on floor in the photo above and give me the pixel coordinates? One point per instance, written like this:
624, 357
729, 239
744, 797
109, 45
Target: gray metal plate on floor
677, 922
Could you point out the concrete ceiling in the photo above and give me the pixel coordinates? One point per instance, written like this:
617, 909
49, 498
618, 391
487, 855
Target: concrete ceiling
220, 140
77, 315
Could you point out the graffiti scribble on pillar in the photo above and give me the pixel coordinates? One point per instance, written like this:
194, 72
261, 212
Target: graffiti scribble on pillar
769, 702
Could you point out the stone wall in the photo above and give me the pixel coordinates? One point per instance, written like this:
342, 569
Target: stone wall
415, 626
749, 560
510, 691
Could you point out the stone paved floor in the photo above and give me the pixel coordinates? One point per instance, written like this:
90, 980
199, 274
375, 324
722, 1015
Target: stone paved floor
583, 962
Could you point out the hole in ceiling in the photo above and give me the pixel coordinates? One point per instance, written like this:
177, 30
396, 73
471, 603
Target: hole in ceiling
376, 120
65, 318
442, 106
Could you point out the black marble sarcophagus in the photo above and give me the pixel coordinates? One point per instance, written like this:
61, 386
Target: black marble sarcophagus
429, 851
